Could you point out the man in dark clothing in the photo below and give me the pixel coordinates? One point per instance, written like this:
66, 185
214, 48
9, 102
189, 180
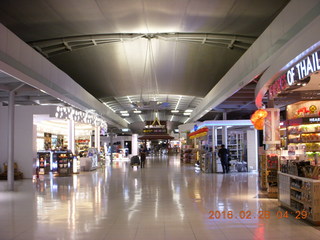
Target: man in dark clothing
224, 155
143, 157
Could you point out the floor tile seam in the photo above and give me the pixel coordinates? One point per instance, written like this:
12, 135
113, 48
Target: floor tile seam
221, 230
19, 234
194, 234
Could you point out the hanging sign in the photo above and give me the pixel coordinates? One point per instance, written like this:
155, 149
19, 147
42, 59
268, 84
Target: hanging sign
199, 133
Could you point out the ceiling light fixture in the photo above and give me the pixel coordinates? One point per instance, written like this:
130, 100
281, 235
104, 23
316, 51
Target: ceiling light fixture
137, 111
174, 111
125, 114
127, 121
186, 120
129, 99
188, 111
123, 111
110, 107
178, 103
171, 118
141, 118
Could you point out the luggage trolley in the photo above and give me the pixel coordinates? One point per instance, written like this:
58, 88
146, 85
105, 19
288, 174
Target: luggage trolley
135, 161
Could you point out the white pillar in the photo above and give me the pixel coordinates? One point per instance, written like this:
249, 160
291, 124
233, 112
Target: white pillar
225, 136
10, 170
224, 131
71, 135
252, 149
214, 138
97, 137
134, 144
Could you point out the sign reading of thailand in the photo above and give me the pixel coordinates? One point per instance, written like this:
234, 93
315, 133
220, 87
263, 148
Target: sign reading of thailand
303, 68
295, 74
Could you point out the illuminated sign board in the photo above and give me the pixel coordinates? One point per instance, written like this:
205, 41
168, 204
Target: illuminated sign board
303, 68
296, 73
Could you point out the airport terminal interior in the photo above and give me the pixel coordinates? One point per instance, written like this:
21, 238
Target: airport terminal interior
160, 119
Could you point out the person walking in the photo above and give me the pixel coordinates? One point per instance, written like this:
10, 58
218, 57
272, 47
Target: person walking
143, 157
223, 153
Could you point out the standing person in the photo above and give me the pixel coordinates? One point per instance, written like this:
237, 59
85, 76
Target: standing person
143, 157
224, 155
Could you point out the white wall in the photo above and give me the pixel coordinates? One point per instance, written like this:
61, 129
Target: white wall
24, 136
3, 136
252, 150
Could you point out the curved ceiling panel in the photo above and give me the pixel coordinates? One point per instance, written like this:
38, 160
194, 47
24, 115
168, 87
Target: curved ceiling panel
121, 69
220, 31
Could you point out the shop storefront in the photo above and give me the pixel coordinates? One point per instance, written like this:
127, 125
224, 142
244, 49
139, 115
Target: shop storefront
203, 141
65, 143
293, 154
51, 139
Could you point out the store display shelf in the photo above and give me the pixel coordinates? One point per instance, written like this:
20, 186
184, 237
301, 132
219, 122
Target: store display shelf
300, 194
297, 189
300, 178
297, 200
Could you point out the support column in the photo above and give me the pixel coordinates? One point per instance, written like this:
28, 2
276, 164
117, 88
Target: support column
71, 136
10, 171
111, 146
97, 137
134, 144
225, 131
225, 136
214, 138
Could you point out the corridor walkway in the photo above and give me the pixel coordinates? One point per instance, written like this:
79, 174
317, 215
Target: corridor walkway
162, 201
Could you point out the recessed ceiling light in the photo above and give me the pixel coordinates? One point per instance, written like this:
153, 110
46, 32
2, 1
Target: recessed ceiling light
125, 114
137, 111
188, 111
174, 111
123, 111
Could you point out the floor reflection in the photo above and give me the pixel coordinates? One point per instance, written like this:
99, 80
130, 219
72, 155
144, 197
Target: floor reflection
164, 200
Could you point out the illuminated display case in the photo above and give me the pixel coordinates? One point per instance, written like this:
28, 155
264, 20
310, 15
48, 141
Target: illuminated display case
299, 175
43, 158
62, 163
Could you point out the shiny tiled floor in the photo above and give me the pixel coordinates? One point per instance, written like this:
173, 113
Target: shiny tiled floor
162, 201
